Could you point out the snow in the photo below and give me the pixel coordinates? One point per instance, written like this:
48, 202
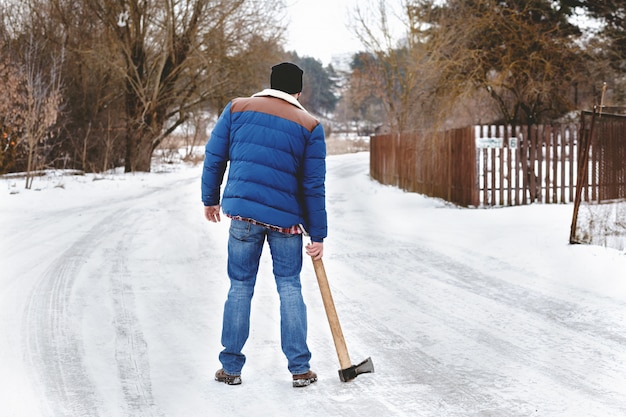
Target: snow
112, 288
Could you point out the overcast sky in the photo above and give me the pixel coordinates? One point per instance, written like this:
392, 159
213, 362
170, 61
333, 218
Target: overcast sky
319, 28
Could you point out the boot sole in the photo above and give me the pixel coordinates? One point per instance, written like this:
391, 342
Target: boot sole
230, 380
305, 382
234, 381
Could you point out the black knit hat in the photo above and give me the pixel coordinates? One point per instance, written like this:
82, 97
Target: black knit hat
286, 77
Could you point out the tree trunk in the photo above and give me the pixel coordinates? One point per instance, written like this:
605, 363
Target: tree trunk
139, 150
143, 158
29, 166
143, 130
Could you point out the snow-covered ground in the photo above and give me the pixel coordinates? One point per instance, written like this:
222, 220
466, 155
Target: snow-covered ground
111, 295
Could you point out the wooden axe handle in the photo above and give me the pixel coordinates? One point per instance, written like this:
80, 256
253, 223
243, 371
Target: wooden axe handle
331, 313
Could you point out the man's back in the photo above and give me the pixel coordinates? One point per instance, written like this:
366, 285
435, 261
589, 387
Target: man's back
277, 162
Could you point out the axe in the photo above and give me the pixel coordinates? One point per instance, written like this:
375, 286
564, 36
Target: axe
348, 371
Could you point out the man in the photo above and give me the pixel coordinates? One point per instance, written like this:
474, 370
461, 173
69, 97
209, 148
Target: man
275, 186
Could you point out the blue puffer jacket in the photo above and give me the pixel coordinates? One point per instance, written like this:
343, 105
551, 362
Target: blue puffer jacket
277, 163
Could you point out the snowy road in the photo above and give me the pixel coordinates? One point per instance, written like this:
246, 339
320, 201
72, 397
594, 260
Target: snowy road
111, 296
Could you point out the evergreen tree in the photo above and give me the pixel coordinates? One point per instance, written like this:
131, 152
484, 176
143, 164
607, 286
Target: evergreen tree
612, 16
319, 85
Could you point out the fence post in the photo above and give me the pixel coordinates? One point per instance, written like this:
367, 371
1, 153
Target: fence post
583, 162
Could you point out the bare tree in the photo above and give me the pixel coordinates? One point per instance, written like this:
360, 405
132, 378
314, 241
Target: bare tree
394, 67
11, 112
174, 55
140, 68
521, 55
43, 104
195, 134
14, 98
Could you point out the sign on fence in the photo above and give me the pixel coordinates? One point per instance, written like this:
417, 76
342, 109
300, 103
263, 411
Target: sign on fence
484, 143
489, 142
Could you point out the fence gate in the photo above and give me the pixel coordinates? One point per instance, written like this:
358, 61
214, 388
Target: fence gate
523, 165
600, 206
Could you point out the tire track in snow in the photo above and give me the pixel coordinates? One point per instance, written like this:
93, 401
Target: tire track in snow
51, 329
131, 349
449, 293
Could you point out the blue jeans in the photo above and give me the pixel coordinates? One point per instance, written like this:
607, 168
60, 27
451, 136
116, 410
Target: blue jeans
245, 245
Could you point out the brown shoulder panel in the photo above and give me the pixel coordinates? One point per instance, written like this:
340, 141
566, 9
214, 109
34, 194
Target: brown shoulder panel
275, 107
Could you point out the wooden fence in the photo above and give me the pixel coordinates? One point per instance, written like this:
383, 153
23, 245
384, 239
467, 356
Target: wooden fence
441, 165
482, 165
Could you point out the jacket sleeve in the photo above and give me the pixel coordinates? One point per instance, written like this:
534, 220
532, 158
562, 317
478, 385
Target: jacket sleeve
313, 185
216, 155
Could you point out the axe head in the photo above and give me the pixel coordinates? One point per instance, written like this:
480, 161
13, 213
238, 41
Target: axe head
352, 372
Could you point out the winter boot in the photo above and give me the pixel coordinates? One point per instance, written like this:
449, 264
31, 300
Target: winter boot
304, 380
221, 376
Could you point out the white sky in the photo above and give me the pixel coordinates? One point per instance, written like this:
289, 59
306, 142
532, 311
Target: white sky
319, 28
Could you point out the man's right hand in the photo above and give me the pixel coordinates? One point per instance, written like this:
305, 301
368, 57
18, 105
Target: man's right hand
315, 250
212, 213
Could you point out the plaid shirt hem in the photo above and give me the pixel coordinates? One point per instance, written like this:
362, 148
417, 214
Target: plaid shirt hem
292, 230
